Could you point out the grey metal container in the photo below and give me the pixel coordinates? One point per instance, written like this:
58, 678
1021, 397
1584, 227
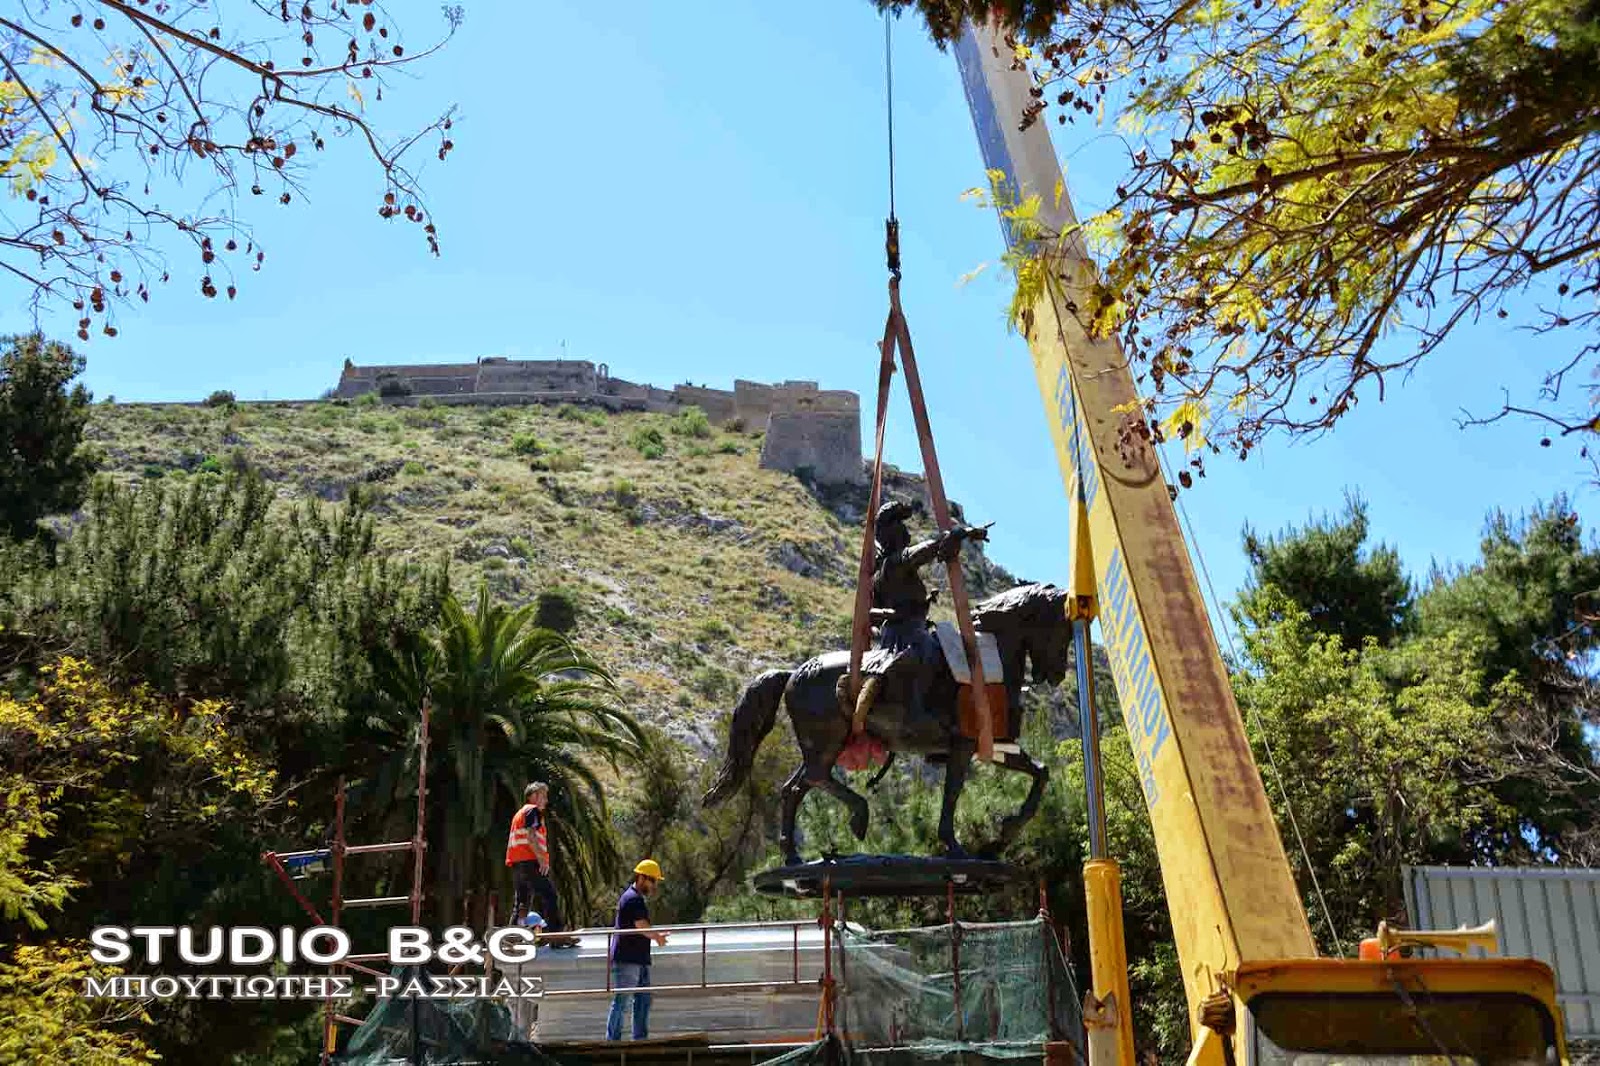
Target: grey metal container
1547, 913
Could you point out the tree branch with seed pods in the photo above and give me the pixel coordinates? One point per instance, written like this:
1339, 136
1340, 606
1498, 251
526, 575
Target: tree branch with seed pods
134, 132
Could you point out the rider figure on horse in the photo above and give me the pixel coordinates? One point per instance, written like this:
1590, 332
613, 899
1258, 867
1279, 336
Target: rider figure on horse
900, 600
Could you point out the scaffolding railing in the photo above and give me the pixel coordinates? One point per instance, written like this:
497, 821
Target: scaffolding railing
704, 929
335, 854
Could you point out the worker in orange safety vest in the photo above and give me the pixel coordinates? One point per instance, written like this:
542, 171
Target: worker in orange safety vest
528, 855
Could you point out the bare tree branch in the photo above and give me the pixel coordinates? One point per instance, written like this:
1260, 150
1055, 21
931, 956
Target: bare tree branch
104, 190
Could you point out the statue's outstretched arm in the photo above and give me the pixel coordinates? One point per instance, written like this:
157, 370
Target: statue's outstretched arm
919, 555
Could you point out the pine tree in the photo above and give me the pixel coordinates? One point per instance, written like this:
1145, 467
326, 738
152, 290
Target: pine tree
44, 469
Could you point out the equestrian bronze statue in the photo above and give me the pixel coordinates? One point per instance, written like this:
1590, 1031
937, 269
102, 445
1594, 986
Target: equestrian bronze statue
913, 697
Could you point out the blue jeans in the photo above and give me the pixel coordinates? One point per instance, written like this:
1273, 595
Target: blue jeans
629, 975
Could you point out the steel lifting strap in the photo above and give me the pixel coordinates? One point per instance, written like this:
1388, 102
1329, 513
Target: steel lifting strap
897, 336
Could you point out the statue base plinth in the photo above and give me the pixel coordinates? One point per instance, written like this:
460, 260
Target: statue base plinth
886, 875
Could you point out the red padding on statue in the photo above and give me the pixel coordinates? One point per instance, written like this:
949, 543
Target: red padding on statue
862, 753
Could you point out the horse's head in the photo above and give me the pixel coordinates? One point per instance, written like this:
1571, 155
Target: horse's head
1034, 619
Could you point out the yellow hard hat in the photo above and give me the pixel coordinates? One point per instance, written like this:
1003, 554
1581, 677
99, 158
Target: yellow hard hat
649, 868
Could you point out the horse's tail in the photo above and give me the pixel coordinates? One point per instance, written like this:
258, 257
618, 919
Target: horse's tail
753, 718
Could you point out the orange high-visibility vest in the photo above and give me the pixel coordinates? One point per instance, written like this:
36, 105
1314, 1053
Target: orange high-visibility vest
523, 847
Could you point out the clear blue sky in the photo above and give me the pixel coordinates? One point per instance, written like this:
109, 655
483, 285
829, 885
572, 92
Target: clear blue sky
696, 193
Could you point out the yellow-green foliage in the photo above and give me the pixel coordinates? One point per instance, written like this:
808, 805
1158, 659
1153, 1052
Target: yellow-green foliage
85, 773
1319, 191
62, 749
48, 1018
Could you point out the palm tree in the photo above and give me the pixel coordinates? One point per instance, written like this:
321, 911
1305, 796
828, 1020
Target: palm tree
511, 703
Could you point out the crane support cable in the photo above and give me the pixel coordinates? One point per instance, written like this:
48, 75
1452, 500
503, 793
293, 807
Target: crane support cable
1255, 717
897, 338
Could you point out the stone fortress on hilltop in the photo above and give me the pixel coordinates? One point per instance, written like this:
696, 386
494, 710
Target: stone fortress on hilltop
806, 428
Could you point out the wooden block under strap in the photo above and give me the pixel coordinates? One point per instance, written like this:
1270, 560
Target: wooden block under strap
969, 714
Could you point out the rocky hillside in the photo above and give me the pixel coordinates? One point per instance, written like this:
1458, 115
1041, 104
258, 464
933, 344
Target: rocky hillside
689, 568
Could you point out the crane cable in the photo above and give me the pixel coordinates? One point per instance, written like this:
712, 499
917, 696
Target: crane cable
1255, 716
897, 339
891, 225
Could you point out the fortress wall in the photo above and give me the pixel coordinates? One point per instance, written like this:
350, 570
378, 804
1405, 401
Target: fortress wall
509, 399
829, 444
752, 401
832, 401
623, 388
433, 370
805, 427
718, 404
659, 400
536, 376
436, 386
434, 379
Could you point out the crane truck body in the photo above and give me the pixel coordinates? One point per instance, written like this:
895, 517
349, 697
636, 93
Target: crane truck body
1257, 990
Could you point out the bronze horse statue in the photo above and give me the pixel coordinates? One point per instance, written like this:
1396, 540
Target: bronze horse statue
1030, 627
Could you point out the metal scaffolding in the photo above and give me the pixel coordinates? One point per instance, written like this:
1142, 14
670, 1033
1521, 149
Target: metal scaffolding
335, 854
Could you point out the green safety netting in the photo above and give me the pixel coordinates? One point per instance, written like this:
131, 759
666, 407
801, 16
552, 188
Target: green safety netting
898, 994
457, 1032
897, 1000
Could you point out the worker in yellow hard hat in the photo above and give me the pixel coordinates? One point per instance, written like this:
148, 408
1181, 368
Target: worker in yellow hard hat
630, 953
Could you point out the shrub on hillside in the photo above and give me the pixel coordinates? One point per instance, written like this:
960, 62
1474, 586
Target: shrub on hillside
221, 398
594, 416
422, 415
525, 444
691, 422
566, 460
714, 683
713, 631
559, 460
649, 442
556, 609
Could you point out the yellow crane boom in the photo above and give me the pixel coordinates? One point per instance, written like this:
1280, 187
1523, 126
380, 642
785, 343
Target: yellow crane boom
1221, 855
1256, 989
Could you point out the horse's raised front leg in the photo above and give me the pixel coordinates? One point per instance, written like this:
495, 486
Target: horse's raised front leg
1012, 824
794, 790
850, 798
955, 779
